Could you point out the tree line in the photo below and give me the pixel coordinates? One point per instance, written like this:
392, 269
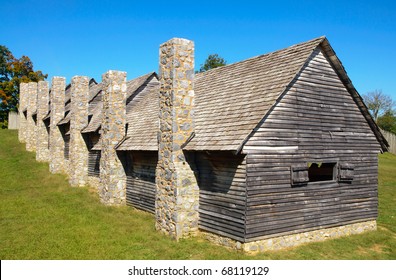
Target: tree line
14, 71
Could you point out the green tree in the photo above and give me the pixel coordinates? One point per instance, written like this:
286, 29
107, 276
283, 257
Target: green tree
14, 71
213, 61
378, 103
387, 121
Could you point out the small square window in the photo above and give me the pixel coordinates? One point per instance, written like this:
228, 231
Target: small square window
319, 172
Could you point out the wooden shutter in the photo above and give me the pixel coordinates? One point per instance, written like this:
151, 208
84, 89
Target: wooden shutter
299, 174
346, 172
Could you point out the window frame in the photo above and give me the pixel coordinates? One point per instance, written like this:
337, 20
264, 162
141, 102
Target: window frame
300, 173
335, 172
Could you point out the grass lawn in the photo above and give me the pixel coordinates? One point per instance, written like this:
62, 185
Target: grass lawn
42, 217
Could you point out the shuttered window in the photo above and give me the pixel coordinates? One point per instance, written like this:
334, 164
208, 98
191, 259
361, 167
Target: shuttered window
319, 172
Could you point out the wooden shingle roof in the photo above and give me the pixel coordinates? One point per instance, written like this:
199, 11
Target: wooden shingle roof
96, 119
142, 118
94, 108
231, 100
133, 92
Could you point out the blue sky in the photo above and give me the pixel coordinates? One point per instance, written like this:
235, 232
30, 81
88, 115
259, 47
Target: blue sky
75, 37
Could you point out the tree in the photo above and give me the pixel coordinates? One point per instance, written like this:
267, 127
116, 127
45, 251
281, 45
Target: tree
213, 61
14, 71
378, 103
387, 121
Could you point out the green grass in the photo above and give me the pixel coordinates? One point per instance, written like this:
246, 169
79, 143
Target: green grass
42, 217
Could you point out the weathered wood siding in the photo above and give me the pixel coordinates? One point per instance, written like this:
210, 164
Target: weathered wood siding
94, 155
65, 130
315, 121
141, 188
222, 199
47, 127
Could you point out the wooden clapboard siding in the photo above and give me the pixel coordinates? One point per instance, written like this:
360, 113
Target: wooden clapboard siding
65, 131
316, 120
141, 187
94, 155
222, 199
47, 127
94, 163
66, 149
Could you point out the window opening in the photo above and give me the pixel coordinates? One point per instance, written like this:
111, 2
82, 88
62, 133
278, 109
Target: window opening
318, 172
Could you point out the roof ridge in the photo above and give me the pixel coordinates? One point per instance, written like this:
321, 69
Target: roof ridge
142, 76
319, 39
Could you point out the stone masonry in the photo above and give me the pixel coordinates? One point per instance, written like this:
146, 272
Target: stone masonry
42, 153
177, 196
31, 130
112, 188
78, 120
23, 95
293, 239
57, 113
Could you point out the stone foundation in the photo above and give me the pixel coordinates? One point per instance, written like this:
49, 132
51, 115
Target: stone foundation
292, 240
94, 182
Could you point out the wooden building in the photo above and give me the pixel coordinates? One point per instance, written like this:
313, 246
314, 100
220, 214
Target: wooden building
283, 144
139, 163
91, 132
280, 144
64, 124
140, 158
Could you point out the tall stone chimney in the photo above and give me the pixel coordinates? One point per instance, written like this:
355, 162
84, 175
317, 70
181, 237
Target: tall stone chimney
78, 156
23, 101
31, 131
57, 113
177, 196
112, 189
42, 153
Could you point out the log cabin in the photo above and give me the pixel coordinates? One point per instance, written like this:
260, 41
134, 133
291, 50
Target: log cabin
283, 144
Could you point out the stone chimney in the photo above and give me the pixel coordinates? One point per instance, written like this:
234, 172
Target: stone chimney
42, 153
31, 131
177, 196
78, 157
57, 113
23, 101
112, 188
